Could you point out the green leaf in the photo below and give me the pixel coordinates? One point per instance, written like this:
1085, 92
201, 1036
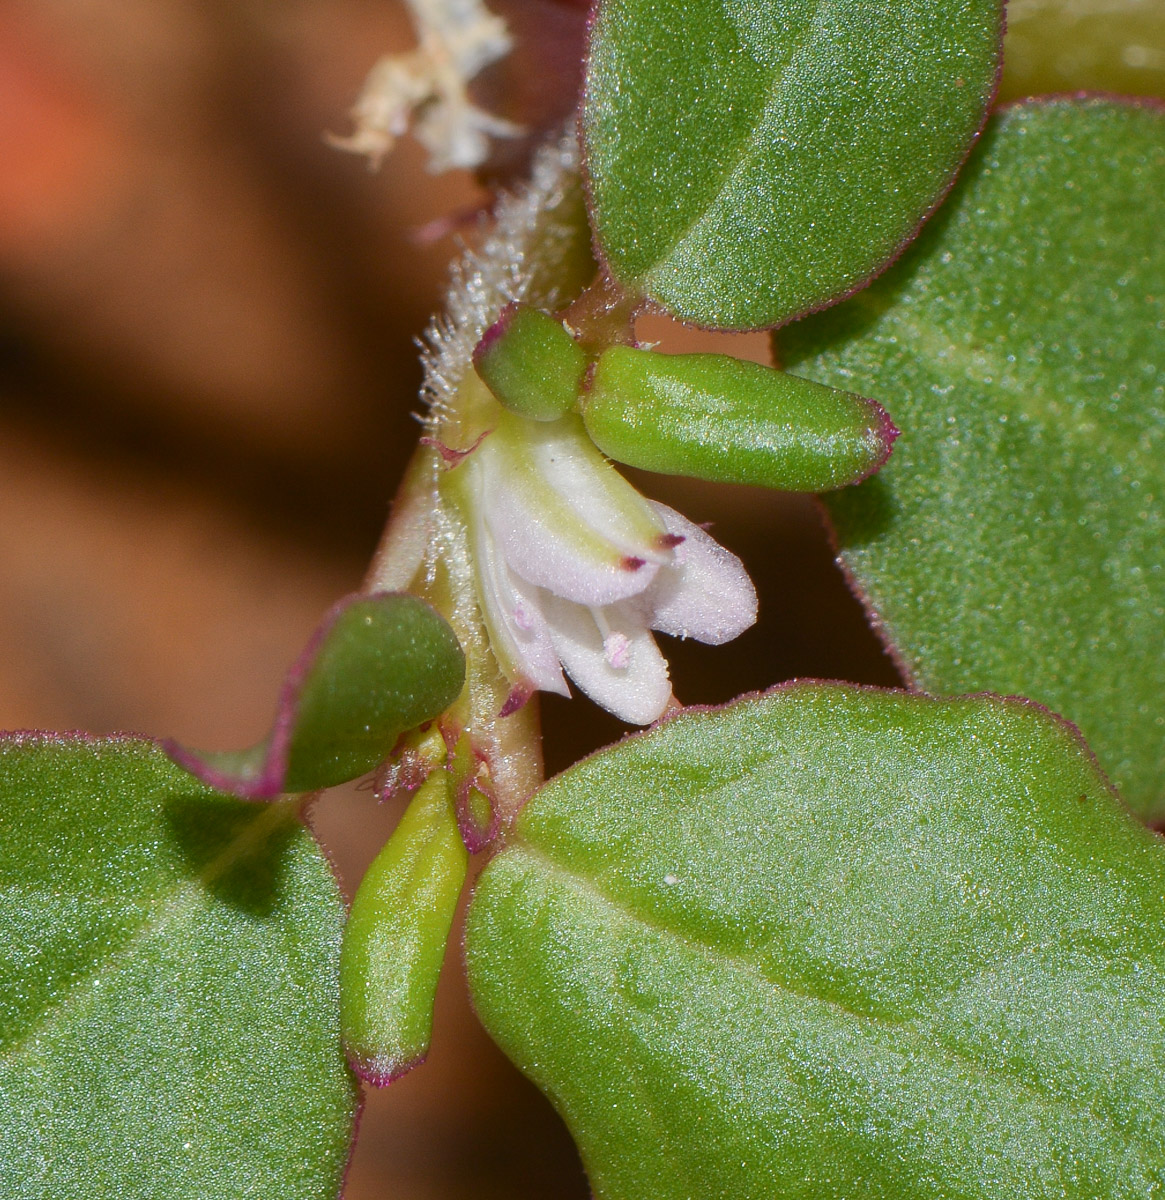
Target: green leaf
832, 943
749, 162
394, 942
715, 417
168, 985
377, 666
1013, 543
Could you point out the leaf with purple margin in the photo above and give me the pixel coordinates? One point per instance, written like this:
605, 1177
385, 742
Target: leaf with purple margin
1014, 541
748, 162
714, 417
169, 1020
833, 942
377, 666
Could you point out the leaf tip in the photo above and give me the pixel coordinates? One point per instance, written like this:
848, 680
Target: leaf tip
379, 1071
260, 777
884, 433
494, 334
340, 709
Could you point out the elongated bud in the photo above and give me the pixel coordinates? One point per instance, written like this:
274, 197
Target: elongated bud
394, 942
531, 364
719, 418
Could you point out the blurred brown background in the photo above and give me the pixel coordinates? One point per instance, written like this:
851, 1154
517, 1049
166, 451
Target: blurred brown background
207, 372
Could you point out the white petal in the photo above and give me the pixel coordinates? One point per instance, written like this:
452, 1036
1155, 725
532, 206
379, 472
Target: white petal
546, 540
513, 615
565, 456
706, 595
619, 667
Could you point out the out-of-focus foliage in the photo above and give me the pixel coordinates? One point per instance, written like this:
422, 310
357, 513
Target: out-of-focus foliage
1084, 45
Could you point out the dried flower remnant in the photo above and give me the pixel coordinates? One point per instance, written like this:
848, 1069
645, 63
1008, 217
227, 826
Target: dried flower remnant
427, 88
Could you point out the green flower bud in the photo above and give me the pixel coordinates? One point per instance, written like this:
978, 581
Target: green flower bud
715, 417
531, 364
394, 942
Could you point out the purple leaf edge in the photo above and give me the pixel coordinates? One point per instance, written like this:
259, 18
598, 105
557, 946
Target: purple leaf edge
909, 670
267, 784
19, 738
896, 253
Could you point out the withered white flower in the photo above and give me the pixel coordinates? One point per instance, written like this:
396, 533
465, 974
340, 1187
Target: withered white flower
427, 88
575, 568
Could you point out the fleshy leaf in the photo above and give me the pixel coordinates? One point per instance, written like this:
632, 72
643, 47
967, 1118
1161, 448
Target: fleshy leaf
1014, 541
749, 163
834, 942
377, 666
394, 942
169, 986
720, 418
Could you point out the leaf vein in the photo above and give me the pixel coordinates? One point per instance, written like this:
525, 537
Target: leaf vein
167, 905
909, 1029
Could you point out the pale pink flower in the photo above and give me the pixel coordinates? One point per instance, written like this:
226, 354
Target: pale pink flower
575, 568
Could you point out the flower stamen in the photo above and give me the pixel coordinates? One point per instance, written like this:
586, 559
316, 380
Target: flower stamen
617, 651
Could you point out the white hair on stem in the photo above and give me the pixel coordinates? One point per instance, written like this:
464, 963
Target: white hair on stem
485, 280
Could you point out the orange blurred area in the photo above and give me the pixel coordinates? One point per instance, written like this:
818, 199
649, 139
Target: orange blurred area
60, 144
207, 375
